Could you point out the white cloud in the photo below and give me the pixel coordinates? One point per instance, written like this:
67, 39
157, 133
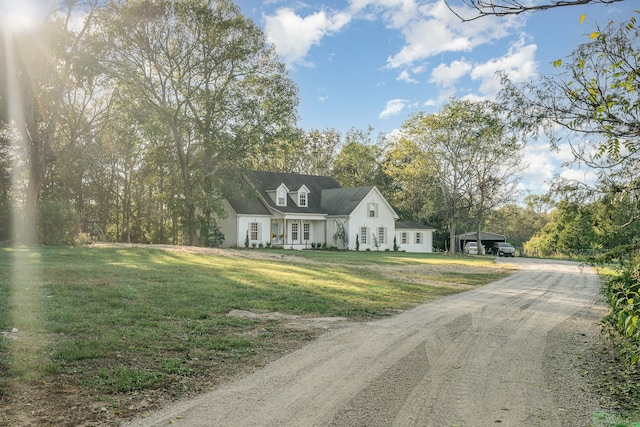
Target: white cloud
542, 165
519, 63
434, 29
396, 12
584, 176
393, 107
294, 35
406, 77
446, 75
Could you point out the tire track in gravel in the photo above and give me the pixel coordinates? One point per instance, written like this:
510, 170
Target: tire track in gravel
473, 359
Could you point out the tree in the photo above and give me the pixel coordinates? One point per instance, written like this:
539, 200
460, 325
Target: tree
498, 163
41, 65
463, 156
485, 8
296, 151
359, 161
316, 152
5, 182
206, 75
595, 104
411, 190
569, 231
519, 223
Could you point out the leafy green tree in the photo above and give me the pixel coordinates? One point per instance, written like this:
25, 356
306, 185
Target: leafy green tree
410, 190
359, 161
317, 152
41, 67
569, 231
5, 183
460, 160
592, 105
519, 223
206, 74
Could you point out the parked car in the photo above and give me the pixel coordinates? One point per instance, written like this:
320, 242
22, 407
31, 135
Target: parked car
503, 249
471, 248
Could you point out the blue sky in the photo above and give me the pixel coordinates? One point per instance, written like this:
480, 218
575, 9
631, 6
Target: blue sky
376, 62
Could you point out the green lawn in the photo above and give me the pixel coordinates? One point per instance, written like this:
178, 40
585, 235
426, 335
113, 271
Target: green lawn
116, 321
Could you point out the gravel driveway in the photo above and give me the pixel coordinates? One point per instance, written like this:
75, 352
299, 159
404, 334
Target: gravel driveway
510, 353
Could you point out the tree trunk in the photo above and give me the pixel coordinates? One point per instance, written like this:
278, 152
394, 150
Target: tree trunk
452, 235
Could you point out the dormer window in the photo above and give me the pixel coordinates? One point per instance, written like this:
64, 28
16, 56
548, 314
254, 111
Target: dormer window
281, 197
302, 196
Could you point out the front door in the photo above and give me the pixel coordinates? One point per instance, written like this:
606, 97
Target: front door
276, 232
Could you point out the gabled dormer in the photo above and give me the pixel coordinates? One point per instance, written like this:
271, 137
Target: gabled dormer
279, 195
303, 197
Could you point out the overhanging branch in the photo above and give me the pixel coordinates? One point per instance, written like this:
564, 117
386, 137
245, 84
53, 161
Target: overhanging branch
512, 7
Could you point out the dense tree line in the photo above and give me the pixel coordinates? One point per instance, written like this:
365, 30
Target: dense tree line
127, 125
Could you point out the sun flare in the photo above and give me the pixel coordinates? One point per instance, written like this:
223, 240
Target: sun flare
21, 15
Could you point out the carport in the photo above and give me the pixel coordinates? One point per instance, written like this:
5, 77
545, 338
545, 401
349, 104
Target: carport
486, 239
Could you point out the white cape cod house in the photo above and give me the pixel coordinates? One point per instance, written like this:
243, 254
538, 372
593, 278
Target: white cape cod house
295, 211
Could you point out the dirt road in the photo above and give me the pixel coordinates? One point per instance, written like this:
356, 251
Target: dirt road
509, 353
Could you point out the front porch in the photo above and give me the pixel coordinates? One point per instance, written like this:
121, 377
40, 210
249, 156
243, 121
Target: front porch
298, 232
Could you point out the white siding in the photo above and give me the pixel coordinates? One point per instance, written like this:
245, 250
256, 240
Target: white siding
244, 226
385, 217
426, 241
332, 228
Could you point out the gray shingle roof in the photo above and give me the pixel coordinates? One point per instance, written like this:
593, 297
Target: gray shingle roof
267, 182
408, 225
342, 201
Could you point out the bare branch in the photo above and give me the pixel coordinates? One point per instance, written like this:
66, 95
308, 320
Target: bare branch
514, 7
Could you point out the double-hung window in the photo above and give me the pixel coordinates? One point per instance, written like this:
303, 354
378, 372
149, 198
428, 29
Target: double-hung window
418, 238
281, 197
294, 232
363, 235
302, 199
255, 227
403, 238
306, 232
381, 235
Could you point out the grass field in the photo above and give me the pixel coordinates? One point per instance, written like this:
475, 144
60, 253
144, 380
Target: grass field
106, 324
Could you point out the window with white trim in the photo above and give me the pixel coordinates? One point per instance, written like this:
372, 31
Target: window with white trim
255, 231
306, 232
281, 198
294, 232
363, 235
418, 238
403, 237
373, 210
302, 199
381, 235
